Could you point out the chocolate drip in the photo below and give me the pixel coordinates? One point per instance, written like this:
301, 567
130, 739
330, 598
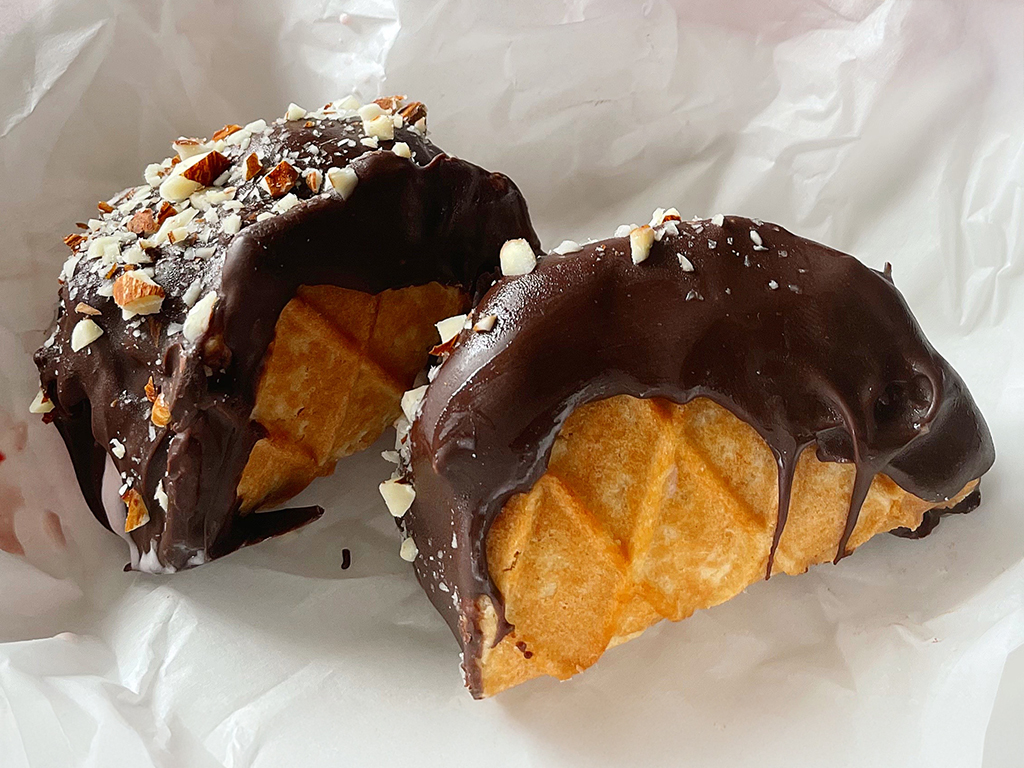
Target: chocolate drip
803, 343
408, 222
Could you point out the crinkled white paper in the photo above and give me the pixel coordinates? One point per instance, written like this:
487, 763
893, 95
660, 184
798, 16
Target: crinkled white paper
892, 130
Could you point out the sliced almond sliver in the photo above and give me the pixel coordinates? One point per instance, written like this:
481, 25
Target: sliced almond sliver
398, 496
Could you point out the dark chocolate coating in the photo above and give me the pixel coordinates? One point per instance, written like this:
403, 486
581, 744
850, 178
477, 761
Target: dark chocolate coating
408, 222
804, 343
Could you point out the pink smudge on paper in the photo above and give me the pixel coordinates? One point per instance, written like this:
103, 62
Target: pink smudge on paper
11, 500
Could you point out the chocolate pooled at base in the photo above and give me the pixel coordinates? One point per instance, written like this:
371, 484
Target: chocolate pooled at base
803, 343
353, 199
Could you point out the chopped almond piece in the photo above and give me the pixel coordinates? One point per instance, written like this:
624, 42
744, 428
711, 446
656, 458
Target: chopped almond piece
281, 179
226, 131
161, 415
187, 148
166, 210
138, 515
389, 103
206, 170
411, 113
105, 207
252, 165
72, 241
143, 222
151, 390
137, 294
314, 179
84, 309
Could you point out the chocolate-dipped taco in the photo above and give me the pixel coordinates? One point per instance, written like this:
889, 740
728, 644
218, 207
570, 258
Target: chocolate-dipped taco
642, 427
253, 312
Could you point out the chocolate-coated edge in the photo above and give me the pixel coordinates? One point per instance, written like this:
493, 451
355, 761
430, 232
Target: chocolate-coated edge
411, 220
804, 343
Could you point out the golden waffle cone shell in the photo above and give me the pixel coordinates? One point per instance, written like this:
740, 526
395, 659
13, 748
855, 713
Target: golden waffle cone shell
650, 510
333, 379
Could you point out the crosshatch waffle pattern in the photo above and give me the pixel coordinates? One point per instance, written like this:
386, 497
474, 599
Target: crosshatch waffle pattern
333, 380
650, 510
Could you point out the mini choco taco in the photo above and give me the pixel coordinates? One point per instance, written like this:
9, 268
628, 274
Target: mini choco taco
642, 427
252, 313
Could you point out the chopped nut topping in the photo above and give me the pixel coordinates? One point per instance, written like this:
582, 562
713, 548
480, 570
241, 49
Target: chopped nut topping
286, 203
370, 112
314, 179
161, 414
773, 285
84, 309
409, 550
105, 207
154, 172
685, 263
567, 246
41, 403
280, 180
106, 248
718, 220
85, 333
370, 141
198, 318
640, 241
517, 257
136, 294
411, 402
73, 241
226, 131
294, 112
414, 112
755, 237
343, 181
231, 224
389, 103
253, 165
485, 323
187, 148
143, 222
380, 128
206, 168
398, 496
449, 328
401, 149
176, 188
138, 515
166, 210
151, 390
117, 448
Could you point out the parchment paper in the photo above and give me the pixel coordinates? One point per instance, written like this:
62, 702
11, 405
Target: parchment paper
891, 130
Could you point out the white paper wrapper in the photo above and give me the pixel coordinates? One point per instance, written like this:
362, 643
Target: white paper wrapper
891, 130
